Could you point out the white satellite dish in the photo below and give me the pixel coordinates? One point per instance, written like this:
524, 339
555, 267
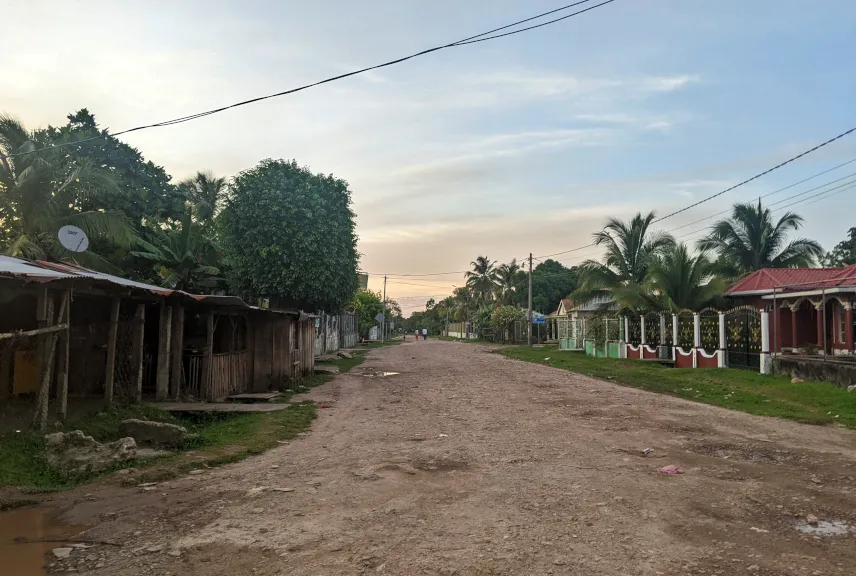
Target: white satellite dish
73, 238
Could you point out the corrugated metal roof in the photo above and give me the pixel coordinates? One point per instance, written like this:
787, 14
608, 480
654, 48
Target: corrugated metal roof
42, 271
767, 279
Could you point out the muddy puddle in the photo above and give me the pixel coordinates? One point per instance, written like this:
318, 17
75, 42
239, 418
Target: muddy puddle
22, 540
376, 374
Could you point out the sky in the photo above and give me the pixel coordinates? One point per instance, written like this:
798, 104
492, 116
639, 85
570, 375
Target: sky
524, 144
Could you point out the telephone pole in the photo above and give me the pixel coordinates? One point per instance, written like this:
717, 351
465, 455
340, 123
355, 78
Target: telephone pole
383, 313
529, 313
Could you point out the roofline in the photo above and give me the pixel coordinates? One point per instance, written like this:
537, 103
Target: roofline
815, 292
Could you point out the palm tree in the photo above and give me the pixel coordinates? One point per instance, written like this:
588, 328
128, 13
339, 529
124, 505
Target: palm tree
184, 257
41, 190
205, 193
749, 241
681, 281
631, 250
507, 279
481, 279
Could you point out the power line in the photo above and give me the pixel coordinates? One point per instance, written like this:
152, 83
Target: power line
484, 36
756, 176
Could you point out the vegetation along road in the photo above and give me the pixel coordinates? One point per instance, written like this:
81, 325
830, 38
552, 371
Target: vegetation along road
467, 462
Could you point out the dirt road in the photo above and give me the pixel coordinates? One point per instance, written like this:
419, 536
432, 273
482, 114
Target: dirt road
469, 463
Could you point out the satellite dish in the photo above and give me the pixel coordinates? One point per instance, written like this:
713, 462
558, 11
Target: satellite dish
73, 239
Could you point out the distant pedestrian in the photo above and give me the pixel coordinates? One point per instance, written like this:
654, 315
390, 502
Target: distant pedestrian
417, 333
425, 333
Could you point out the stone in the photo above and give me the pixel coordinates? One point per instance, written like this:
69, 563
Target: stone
174, 553
74, 452
157, 433
326, 358
346, 355
851, 388
796, 380
62, 553
155, 549
196, 472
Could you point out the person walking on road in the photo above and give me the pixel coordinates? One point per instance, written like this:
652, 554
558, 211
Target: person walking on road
425, 333
416, 332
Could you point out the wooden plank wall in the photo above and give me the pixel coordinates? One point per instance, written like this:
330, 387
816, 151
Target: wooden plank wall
230, 374
275, 350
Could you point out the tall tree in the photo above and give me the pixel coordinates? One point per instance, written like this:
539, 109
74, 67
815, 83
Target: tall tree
41, 190
551, 281
631, 249
844, 253
507, 279
750, 240
205, 192
682, 281
289, 235
481, 279
367, 305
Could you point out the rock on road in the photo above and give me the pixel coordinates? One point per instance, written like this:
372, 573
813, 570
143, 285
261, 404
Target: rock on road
470, 463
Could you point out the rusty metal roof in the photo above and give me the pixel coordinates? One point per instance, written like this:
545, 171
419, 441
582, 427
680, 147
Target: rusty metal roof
42, 271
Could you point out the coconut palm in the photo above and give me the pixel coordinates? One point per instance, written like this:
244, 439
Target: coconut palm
750, 240
631, 250
680, 280
41, 190
481, 279
205, 193
507, 277
183, 256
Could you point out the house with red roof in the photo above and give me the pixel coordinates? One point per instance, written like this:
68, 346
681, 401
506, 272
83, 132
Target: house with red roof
808, 306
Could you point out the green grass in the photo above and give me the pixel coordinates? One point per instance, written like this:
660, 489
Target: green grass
743, 390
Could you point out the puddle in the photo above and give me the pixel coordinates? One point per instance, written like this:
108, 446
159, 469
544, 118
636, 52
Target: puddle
27, 525
826, 528
374, 374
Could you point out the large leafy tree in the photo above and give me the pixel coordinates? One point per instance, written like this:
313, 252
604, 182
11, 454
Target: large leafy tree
844, 253
289, 235
551, 281
367, 305
481, 279
43, 189
143, 192
681, 280
632, 249
184, 257
751, 239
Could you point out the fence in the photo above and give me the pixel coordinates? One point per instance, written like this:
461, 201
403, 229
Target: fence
334, 332
736, 338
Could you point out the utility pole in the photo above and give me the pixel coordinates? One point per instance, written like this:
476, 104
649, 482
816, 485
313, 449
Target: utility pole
383, 313
529, 313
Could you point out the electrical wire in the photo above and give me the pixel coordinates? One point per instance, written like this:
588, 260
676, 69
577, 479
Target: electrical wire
484, 36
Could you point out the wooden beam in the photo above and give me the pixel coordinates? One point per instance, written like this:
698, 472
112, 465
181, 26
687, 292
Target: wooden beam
177, 372
137, 351
37, 332
40, 419
164, 335
111, 351
62, 362
205, 382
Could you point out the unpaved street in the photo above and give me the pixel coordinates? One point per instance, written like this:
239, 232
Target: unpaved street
470, 463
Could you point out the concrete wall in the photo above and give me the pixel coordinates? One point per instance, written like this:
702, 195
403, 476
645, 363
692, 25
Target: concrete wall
841, 373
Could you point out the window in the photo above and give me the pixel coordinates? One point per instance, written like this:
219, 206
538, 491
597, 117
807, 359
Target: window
842, 326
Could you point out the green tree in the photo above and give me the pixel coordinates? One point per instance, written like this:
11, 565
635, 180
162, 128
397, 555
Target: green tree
481, 279
551, 281
289, 234
750, 240
631, 250
844, 253
367, 305
503, 318
205, 192
43, 190
183, 256
683, 281
508, 279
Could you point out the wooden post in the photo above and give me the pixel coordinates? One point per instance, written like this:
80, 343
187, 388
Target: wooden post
62, 363
40, 418
164, 334
137, 351
205, 383
177, 350
111, 351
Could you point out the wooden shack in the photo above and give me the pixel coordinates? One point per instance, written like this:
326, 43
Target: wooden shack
66, 331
